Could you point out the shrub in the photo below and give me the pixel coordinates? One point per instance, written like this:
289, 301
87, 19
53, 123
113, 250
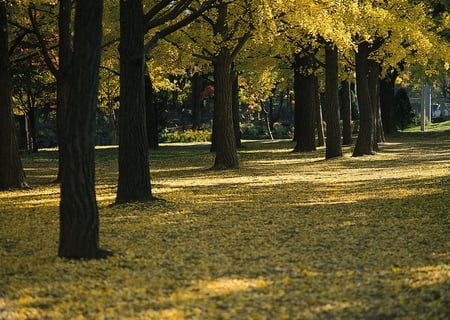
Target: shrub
187, 136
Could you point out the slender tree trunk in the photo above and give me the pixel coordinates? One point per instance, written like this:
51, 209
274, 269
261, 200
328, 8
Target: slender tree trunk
333, 145
374, 87
11, 171
364, 143
319, 117
134, 168
304, 87
196, 82
346, 112
236, 108
224, 134
79, 222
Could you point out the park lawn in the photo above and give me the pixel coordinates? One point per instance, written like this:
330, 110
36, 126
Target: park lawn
286, 236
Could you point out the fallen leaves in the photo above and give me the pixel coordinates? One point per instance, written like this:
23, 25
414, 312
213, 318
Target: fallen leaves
287, 236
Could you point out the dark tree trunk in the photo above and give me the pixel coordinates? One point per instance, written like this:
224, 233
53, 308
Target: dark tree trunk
346, 113
318, 113
79, 222
387, 103
196, 100
63, 74
333, 144
11, 170
364, 143
225, 140
374, 88
236, 109
33, 130
151, 114
304, 90
134, 168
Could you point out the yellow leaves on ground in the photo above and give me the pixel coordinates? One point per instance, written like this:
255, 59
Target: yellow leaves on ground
286, 236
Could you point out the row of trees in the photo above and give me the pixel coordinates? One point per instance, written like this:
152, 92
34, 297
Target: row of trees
318, 44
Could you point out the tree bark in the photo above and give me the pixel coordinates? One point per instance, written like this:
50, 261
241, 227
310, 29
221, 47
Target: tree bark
11, 170
374, 87
196, 92
318, 113
364, 143
134, 168
224, 136
346, 113
63, 75
236, 107
79, 222
333, 144
304, 90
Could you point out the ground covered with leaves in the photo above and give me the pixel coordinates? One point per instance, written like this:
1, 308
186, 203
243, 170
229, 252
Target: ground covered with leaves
287, 236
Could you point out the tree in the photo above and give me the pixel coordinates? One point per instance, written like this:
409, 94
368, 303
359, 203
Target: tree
333, 145
161, 20
364, 143
134, 174
11, 171
305, 99
79, 221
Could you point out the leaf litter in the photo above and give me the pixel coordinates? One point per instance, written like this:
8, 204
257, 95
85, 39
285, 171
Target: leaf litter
286, 236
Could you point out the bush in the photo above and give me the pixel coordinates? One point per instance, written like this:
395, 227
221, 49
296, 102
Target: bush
187, 136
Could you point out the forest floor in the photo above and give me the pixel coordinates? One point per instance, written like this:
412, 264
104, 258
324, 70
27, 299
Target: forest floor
286, 236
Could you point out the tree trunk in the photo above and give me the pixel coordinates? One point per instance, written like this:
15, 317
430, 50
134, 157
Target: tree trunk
346, 112
225, 140
63, 75
333, 144
11, 170
197, 83
134, 168
236, 108
79, 223
318, 113
374, 87
364, 143
151, 114
304, 90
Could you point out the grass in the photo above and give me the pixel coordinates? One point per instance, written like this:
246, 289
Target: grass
286, 236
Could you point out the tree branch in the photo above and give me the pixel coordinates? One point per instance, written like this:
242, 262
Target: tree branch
43, 45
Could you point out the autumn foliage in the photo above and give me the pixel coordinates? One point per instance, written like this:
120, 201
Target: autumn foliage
287, 236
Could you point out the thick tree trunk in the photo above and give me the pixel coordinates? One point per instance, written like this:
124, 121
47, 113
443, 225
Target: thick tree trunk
63, 75
346, 113
333, 144
225, 140
197, 84
79, 222
134, 168
304, 90
364, 143
151, 114
11, 171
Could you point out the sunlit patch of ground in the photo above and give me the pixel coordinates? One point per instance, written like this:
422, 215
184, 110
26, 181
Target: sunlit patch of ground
286, 236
